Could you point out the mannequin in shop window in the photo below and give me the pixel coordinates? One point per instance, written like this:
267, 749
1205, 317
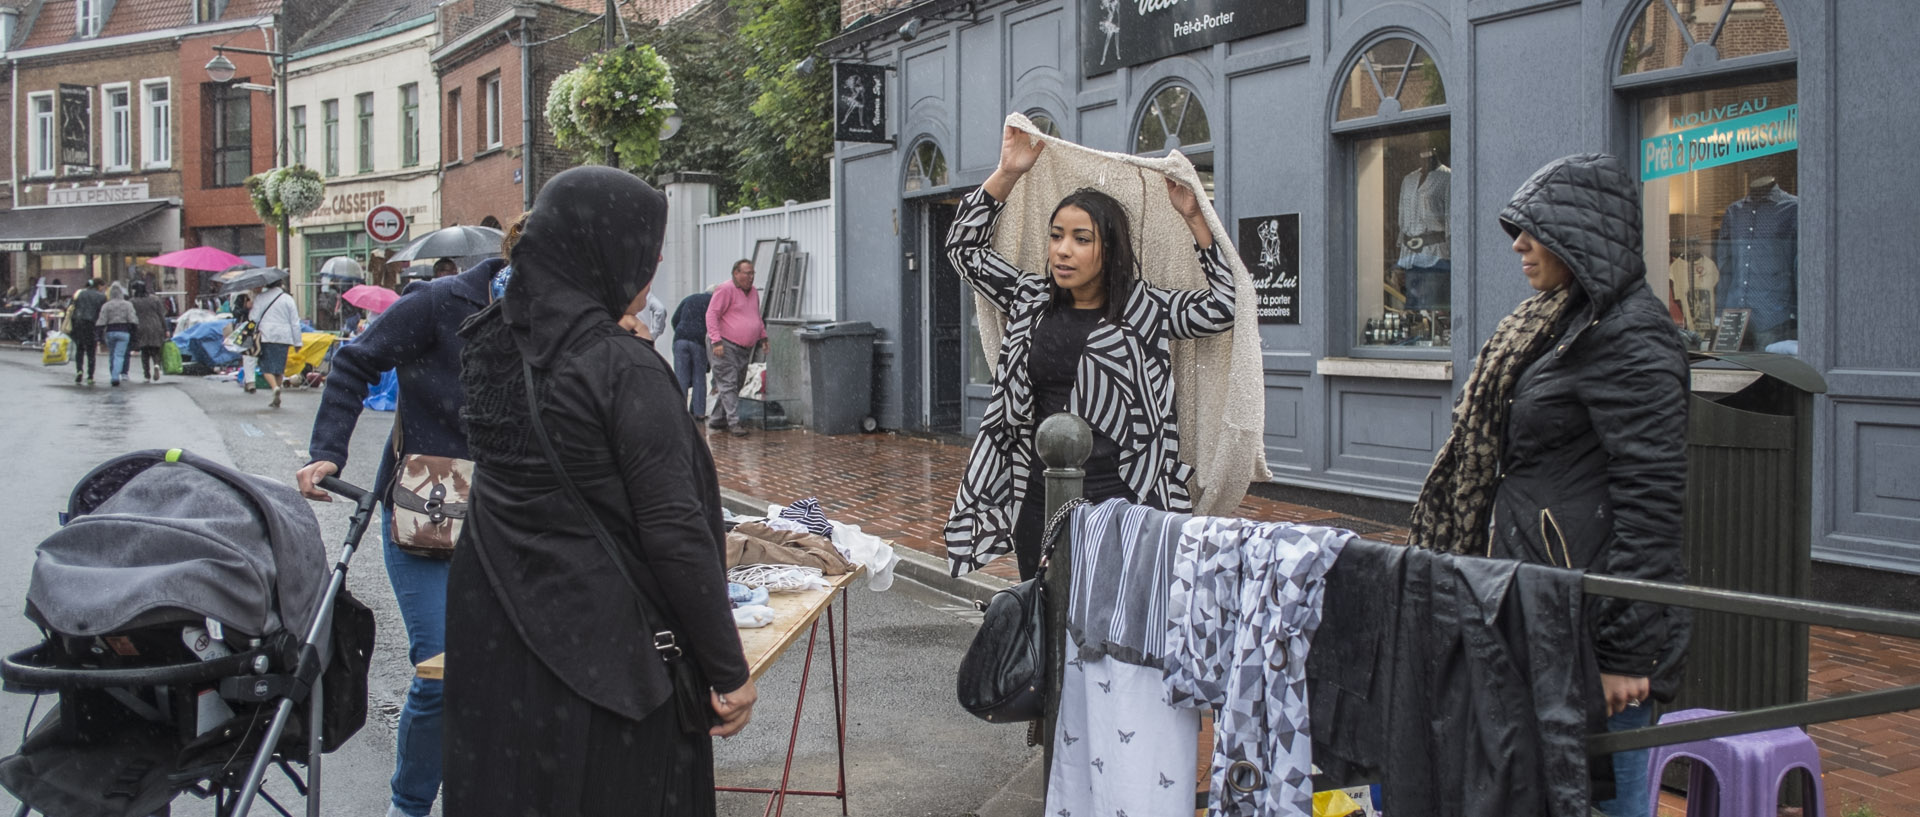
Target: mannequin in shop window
1425, 258
1757, 252
1692, 277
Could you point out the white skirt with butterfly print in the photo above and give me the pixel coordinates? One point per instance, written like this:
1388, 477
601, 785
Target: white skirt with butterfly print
1119, 750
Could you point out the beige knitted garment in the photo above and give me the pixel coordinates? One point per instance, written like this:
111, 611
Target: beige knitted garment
1218, 381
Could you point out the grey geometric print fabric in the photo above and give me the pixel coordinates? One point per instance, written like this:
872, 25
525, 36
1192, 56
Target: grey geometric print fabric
1123, 386
1243, 608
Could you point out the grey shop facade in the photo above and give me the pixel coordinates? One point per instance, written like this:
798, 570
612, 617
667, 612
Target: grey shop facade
1362, 150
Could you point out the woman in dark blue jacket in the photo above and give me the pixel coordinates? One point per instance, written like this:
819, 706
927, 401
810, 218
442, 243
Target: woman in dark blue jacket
420, 337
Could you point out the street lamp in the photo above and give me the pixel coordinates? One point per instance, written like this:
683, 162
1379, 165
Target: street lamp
221, 70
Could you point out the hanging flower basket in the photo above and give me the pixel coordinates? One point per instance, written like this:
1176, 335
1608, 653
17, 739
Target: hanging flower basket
619, 98
285, 191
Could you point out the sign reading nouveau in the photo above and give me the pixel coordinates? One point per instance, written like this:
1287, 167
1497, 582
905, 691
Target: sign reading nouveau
1119, 33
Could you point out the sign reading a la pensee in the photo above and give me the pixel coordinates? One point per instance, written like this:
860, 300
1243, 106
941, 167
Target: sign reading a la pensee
1120, 33
1722, 143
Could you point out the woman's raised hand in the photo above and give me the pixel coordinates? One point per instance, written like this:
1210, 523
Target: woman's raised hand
1188, 206
1019, 150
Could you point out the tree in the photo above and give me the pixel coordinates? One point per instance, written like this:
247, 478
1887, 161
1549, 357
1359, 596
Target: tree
748, 117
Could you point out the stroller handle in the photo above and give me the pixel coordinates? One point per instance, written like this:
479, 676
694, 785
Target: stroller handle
30, 671
343, 488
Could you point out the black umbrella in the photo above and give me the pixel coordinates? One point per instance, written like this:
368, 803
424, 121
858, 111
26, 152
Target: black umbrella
250, 278
453, 242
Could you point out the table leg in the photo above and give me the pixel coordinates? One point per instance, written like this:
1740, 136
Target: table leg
793, 738
836, 654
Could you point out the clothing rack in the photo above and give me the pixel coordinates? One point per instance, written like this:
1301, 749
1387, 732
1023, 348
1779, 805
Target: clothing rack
1064, 442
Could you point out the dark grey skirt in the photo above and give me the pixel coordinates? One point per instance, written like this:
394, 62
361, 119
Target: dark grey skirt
519, 741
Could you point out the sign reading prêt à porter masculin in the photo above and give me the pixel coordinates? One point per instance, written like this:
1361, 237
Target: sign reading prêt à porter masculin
859, 102
1119, 33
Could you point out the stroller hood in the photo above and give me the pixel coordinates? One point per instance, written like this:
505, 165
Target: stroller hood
157, 536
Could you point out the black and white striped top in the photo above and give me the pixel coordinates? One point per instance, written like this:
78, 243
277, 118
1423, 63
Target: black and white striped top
1124, 386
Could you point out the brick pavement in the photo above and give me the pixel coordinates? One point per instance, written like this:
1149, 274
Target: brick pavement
900, 488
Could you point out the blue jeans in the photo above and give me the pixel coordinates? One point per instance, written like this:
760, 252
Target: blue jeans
690, 366
420, 585
1632, 791
117, 345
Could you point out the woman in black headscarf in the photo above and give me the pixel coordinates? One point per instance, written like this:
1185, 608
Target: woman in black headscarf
557, 701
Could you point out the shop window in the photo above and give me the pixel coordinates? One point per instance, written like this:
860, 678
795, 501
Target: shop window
232, 144
1399, 146
1045, 123
1175, 119
1673, 33
1719, 164
926, 167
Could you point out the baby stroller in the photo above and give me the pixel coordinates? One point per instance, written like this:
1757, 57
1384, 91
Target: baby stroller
194, 637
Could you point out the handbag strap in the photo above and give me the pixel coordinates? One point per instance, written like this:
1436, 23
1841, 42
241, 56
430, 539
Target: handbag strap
1056, 526
663, 638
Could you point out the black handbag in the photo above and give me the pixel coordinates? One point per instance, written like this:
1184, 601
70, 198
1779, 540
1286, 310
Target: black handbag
1003, 677
690, 689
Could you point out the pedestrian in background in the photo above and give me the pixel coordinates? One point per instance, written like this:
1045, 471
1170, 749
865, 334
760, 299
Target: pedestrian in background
1092, 297
151, 333
649, 323
1569, 438
418, 337
85, 315
241, 308
734, 333
117, 322
689, 348
277, 320
604, 502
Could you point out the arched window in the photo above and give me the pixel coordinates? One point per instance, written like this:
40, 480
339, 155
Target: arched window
1044, 122
1392, 118
1717, 152
1175, 119
926, 167
1701, 32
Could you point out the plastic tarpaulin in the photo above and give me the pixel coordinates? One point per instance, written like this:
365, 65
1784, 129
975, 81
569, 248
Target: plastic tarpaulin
205, 343
312, 352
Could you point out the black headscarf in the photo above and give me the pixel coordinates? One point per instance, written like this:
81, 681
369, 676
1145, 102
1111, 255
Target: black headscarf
591, 243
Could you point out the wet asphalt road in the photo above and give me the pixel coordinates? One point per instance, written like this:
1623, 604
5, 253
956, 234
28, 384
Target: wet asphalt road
911, 749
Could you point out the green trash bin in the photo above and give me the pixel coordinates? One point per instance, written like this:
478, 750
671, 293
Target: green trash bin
1748, 524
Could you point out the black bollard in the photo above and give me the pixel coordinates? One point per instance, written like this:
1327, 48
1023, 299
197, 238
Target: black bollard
1063, 442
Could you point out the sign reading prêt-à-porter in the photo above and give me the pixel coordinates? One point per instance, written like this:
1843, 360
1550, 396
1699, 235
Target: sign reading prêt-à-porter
1118, 33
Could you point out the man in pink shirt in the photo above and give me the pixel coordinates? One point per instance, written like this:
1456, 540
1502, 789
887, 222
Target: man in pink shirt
734, 331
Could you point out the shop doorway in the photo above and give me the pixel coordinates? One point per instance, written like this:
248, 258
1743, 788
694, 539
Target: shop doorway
944, 296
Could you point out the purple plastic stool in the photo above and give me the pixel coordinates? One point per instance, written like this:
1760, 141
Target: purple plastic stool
1747, 770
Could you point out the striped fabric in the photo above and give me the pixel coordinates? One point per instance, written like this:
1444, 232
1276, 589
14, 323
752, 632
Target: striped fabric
1123, 386
807, 512
1122, 571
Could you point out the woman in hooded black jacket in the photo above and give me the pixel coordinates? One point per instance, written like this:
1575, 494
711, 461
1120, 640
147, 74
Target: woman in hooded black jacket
1569, 438
556, 700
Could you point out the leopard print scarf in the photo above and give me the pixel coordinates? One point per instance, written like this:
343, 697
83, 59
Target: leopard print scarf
1457, 498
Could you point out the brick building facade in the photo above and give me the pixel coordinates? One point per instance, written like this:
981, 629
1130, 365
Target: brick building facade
213, 164
497, 153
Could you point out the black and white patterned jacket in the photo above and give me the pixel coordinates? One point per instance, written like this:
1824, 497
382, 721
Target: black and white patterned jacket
1123, 387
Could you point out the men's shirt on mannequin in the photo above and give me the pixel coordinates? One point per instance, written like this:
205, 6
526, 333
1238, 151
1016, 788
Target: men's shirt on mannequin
1423, 213
1758, 252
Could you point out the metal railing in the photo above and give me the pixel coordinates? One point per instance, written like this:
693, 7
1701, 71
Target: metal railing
1064, 441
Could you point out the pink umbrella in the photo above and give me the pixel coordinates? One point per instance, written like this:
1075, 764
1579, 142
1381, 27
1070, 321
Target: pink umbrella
370, 298
210, 259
